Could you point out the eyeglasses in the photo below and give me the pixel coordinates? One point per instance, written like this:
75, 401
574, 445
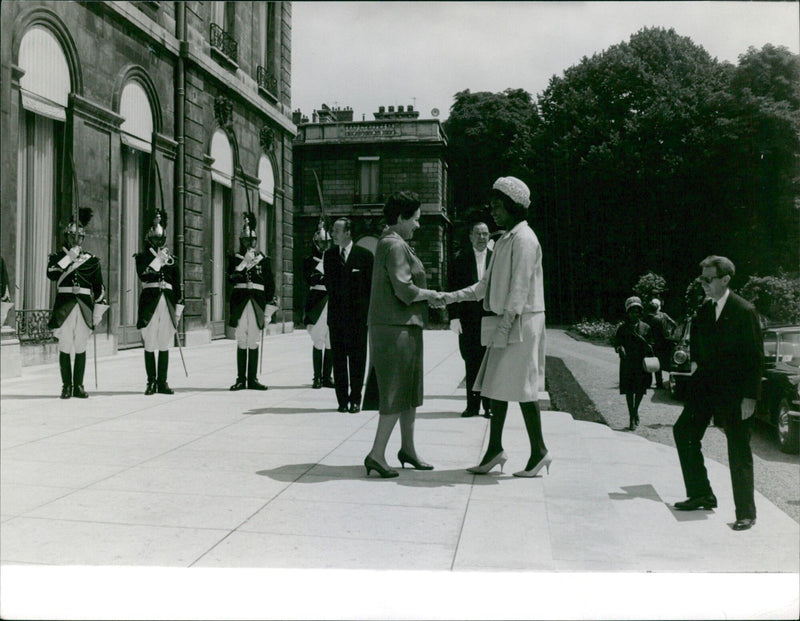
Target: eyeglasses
709, 280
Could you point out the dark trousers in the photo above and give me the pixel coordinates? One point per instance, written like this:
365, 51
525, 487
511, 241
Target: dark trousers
689, 431
349, 363
469, 344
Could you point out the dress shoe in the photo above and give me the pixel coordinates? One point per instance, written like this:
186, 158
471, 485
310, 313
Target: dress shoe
255, 385
487, 414
317, 383
534, 469
467, 413
240, 384
744, 524
354, 408
164, 389
405, 458
151, 388
698, 502
343, 408
66, 391
328, 383
78, 391
386, 473
500, 458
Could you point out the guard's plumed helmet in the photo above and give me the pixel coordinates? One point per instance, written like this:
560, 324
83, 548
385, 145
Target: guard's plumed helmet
74, 232
322, 238
249, 234
157, 233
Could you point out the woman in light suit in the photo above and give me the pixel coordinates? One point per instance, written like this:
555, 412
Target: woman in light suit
512, 289
397, 314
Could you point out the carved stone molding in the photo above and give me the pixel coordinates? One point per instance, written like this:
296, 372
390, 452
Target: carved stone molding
267, 139
223, 111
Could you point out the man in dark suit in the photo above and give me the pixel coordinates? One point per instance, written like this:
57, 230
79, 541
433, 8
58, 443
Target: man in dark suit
465, 317
348, 278
727, 358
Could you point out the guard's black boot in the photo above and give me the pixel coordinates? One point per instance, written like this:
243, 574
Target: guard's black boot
150, 368
77, 376
252, 371
241, 369
327, 370
317, 358
161, 382
66, 375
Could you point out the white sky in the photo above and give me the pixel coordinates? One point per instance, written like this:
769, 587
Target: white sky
368, 54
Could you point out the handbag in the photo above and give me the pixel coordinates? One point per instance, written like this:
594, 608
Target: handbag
650, 364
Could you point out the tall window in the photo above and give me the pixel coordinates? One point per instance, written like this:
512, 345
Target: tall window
266, 208
138, 200
221, 213
368, 179
44, 93
223, 16
266, 32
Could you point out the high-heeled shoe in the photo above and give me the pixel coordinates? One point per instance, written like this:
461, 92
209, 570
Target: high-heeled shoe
386, 473
500, 458
405, 458
544, 462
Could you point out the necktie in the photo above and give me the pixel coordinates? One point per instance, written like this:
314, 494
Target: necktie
341, 252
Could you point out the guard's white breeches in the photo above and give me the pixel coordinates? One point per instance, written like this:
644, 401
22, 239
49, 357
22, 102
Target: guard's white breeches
159, 334
319, 332
73, 334
247, 332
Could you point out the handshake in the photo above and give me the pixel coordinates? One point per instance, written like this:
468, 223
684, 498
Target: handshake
440, 299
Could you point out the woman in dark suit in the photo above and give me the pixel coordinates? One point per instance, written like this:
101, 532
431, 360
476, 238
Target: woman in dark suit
397, 314
633, 342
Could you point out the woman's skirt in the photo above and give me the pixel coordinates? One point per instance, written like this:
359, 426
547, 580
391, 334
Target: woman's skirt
515, 372
396, 354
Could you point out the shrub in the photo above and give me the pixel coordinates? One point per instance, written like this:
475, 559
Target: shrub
595, 329
650, 286
694, 296
777, 298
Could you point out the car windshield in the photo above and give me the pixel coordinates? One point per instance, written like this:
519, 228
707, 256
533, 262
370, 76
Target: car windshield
789, 348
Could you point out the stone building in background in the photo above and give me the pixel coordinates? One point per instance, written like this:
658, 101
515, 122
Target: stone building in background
201, 89
358, 165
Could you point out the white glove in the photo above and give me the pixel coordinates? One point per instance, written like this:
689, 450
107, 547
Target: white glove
74, 253
748, 408
455, 326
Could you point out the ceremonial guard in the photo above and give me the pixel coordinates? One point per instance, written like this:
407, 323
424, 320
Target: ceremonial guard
79, 286
160, 303
315, 311
253, 287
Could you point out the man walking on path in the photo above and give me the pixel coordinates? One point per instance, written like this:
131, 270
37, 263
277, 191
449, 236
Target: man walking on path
465, 317
661, 327
727, 358
348, 279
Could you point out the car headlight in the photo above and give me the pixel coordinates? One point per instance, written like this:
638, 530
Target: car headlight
681, 356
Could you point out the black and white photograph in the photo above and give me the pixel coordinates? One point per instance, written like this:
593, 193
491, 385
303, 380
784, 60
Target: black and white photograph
399, 310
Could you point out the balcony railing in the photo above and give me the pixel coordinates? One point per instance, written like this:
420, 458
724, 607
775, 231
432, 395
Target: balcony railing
368, 199
224, 42
267, 80
32, 326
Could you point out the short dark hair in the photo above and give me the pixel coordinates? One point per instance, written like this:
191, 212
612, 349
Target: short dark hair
346, 221
517, 212
400, 204
723, 265
475, 223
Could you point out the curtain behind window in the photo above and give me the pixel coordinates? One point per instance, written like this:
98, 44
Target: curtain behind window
218, 254
134, 165
39, 139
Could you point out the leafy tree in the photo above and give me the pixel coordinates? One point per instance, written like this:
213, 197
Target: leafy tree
776, 298
650, 286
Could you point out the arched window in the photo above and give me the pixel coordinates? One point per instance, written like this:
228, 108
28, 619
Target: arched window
44, 94
266, 207
221, 210
137, 198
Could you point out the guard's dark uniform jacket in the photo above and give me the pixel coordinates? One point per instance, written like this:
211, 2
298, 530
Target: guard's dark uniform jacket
255, 284
80, 282
317, 295
166, 281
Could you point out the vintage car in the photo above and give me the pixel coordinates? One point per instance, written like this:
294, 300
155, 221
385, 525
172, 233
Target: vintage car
680, 361
779, 405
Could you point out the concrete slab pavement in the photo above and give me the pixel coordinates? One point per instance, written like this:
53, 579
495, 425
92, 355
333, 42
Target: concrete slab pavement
208, 478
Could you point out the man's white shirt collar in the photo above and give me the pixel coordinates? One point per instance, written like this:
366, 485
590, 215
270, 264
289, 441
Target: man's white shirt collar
720, 304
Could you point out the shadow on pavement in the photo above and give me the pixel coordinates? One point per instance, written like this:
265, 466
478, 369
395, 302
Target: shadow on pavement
648, 492
289, 410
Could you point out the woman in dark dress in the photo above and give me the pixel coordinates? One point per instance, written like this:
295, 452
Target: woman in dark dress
633, 343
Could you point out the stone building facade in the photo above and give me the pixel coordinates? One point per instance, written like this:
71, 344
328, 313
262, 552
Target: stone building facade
184, 105
358, 165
